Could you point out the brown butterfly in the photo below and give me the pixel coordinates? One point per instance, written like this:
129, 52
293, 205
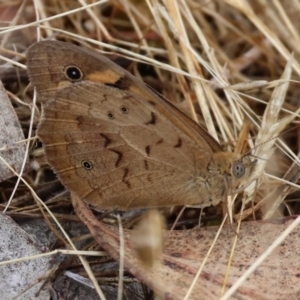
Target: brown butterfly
117, 143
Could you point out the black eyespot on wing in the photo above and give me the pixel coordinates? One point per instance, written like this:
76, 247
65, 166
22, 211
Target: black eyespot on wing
238, 169
86, 164
73, 73
110, 115
124, 109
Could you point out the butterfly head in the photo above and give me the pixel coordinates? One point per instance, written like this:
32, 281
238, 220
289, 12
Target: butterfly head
237, 169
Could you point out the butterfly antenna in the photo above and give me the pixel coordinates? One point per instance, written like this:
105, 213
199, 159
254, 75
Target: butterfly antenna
273, 138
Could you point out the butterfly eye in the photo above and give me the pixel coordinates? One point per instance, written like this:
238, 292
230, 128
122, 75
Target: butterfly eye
124, 110
87, 165
238, 169
73, 73
110, 115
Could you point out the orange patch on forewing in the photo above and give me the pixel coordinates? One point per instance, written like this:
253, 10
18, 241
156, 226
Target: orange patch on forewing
107, 76
137, 91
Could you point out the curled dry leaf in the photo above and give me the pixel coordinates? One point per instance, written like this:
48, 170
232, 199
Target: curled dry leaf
148, 236
277, 278
10, 133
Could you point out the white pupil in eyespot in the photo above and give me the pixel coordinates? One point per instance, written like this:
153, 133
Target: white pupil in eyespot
73, 73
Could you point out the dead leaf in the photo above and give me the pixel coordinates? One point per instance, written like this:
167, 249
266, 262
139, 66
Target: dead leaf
277, 278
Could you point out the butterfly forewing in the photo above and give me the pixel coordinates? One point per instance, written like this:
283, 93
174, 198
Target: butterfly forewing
48, 60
